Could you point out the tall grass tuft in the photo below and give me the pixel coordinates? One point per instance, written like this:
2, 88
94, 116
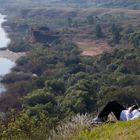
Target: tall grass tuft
71, 127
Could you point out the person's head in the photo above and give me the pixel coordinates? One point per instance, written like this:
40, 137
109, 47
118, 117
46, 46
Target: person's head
135, 107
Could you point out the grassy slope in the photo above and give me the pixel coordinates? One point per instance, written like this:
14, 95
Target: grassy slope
120, 131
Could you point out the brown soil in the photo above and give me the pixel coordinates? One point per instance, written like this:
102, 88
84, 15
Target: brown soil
93, 47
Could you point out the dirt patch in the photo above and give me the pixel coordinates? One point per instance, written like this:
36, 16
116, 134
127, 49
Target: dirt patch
93, 47
11, 55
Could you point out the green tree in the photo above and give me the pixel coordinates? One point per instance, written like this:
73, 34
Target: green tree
116, 36
56, 86
70, 22
99, 32
135, 39
81, 97
90, 20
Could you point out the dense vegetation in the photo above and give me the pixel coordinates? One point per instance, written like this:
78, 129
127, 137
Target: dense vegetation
54, 81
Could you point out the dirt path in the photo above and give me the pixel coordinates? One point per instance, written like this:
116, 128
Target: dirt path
93, 47
11, 55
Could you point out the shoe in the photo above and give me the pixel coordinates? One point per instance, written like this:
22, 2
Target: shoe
98, 120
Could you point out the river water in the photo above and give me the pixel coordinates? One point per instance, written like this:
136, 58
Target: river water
5, 64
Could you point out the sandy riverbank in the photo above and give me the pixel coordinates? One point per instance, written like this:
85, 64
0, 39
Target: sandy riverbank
10, 55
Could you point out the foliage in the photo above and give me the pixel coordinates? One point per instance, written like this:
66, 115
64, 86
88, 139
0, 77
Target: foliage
115, 30
90, 20
135, 39
19, 46
99, 33
53, 81
20, 126
81, 96
37, 97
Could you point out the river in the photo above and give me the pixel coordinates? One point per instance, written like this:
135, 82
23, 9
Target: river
5, 64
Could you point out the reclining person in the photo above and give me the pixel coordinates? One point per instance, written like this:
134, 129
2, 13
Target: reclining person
120, 112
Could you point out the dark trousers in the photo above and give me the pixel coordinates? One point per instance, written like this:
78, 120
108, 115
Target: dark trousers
114, 107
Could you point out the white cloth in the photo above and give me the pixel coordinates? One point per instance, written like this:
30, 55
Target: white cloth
126, 115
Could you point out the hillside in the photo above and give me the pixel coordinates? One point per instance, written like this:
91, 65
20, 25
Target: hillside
119, 131
77, 59
80, 128
135, 4
132, 4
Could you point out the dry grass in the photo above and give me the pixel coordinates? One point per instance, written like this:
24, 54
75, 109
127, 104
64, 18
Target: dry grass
71, 127
80, 127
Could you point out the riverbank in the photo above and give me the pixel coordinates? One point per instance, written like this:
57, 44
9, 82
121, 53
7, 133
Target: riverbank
6, 40
7, 57
11, 55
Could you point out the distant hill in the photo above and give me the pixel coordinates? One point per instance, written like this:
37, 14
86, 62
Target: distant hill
130, 4
133, 4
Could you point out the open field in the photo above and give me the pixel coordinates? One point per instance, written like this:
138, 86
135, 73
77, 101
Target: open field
93, 47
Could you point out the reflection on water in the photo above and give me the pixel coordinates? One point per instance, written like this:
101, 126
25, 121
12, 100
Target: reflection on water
4, 40
2, 88
5, 64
